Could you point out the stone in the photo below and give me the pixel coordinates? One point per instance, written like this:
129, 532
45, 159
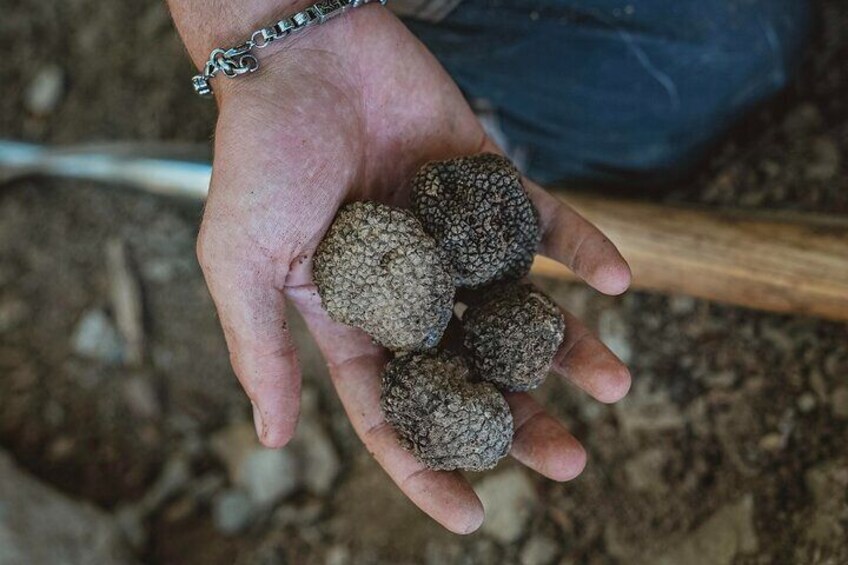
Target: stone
825, 161
41, 525
337, 555
13, 313
839, 403
806, 403
96, 337
645, 410
615, 333
729, 532
232, 511
141, 398
644, 472
265, 475
317, 457
539, 550
509, 500
827, 482
46, 90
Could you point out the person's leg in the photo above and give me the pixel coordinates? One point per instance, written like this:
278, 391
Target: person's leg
618, 91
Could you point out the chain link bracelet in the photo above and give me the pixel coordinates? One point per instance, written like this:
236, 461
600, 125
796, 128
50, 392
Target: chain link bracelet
242, 59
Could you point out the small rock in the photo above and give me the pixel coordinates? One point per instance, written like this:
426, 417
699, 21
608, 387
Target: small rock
615, 333
839, 403
645, 471
319, 463
806, 403
805, 118
681, 304
337, 555
232, 511
142, 400
721, 379
41, 525
266, 475
650, 411
727, 533
828, 483
12, 314
824, 163
539, 550
96, 338
772, 442
46, 90
509, 500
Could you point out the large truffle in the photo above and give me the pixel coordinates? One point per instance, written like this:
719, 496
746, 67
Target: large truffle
480, 214
445, 419
513, 336
377, 270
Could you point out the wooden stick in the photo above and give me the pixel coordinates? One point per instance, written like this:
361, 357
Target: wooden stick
784, 263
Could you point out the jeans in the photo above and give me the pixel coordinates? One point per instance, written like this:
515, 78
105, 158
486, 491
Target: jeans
617, 91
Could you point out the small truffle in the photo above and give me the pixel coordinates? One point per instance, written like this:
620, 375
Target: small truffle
481, 216
445, 419
513, 336
377, 270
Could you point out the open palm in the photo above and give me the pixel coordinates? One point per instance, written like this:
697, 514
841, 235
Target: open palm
350, 114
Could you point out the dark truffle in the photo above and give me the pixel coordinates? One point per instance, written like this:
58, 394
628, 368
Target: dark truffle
513, 336
481, 216
377, 270
446, 420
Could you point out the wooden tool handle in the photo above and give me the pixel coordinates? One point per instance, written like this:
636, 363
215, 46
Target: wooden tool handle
787, 264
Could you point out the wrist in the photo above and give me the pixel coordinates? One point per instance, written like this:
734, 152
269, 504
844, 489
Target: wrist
233, 58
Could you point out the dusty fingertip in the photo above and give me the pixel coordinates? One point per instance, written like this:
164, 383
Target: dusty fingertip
272, 437
572, 465
616, 386
475, 520
613, 279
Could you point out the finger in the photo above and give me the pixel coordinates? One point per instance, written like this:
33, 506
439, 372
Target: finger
589, 364
262, 353
541, 442
573, 241
355, 366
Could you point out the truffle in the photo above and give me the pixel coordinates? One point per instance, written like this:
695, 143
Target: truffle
481, 216
376, 269
445, 419
513, 336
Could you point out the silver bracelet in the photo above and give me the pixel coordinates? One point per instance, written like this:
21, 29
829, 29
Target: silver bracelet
236, 61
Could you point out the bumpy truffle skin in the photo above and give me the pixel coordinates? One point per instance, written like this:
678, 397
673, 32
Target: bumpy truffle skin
480, 214
513, 337
377, 270
442, 417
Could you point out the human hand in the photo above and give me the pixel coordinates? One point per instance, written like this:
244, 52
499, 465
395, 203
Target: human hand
349, 112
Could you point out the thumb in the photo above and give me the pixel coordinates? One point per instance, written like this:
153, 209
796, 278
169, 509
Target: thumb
262, 353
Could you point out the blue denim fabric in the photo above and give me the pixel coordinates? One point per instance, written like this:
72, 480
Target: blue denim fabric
614, 90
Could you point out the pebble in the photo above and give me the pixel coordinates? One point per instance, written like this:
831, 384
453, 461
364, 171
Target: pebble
539, 550
337, 555
232, 511
96, 337
614, 332
806, 403
12, 314
265, 475
509, 500
141, 398
839, 403
46, 91
824, 163
645, 470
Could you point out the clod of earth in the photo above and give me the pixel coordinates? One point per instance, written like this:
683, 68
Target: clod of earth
377, 270
481, 216
513, 336
448, 421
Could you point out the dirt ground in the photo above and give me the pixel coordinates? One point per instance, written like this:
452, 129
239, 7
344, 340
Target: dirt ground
731, 447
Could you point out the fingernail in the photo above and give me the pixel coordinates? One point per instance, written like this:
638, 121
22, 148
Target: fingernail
257, 421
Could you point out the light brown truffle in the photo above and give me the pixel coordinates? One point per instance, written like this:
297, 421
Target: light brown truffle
481, 216
376, 269
442, 417
513, 336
